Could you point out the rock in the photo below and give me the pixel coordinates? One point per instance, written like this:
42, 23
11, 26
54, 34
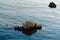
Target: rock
29, 32
38, 27
52, 5
28, 27
18, 28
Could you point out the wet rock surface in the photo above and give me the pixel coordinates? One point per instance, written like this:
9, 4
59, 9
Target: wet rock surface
28, 27
52, 5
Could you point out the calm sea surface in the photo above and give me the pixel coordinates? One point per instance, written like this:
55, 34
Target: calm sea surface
16, 12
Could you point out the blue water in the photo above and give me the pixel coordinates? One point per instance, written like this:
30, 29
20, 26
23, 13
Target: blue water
17, 12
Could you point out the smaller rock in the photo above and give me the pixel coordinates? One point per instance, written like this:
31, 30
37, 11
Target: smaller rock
52, 5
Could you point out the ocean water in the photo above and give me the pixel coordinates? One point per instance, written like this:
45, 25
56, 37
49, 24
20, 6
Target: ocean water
16, 12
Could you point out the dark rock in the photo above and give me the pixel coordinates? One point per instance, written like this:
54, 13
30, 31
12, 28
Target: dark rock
18, 28
29, 32
52, 5
28, 27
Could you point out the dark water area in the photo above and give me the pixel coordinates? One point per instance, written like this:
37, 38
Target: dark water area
17, 12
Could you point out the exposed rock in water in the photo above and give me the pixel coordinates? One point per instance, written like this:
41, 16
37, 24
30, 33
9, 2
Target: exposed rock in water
28, 27
52, 5
29, 32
